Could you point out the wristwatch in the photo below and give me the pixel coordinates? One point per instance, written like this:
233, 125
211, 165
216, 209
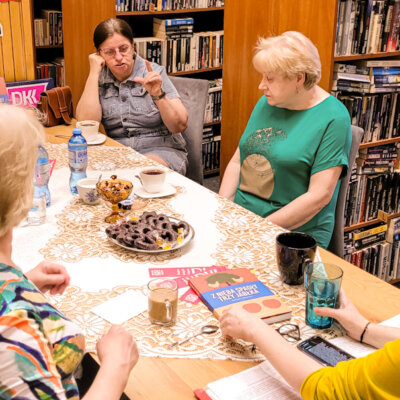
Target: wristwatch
158, 97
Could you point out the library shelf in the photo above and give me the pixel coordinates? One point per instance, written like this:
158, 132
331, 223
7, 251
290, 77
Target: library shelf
367, 223
166, 12
212, 123
211, 172
195, 71
355, 57
50, 46
379, 142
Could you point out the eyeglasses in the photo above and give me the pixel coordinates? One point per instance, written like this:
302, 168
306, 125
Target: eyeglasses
123, 50
291, 332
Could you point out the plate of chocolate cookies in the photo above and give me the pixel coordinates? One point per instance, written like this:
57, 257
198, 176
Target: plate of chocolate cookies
150, 233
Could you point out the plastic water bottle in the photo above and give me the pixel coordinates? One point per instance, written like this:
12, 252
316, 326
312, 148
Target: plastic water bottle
77, 155
42, 175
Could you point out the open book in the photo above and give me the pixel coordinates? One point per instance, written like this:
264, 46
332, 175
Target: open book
261, 382
264, 382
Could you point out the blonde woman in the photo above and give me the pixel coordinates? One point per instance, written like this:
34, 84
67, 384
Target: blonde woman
39, 347
296, 144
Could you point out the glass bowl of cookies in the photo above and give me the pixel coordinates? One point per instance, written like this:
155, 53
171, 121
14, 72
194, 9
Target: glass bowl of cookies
114, 190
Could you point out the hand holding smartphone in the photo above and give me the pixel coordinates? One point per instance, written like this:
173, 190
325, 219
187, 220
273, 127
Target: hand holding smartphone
323, 351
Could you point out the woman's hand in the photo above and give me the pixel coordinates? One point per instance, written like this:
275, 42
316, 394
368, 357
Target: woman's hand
118, 349
151, 82
48, 276
238, 323
96, 63
347, 315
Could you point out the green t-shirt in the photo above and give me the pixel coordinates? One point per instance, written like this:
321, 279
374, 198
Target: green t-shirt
279, 151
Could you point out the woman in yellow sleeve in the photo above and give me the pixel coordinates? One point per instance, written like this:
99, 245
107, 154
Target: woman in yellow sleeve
375, 376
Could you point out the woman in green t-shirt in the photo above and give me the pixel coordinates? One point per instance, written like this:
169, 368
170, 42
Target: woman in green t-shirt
296, 143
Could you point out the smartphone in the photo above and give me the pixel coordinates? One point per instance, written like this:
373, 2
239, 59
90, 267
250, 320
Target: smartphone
323, 351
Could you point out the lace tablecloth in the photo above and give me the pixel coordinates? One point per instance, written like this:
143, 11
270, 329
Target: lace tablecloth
225, 234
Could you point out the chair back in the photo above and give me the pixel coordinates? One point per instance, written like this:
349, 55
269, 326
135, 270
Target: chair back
194, 95
336, 244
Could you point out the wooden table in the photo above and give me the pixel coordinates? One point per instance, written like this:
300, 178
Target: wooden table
171, 378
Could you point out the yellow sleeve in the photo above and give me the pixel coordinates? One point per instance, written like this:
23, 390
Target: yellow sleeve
375, 376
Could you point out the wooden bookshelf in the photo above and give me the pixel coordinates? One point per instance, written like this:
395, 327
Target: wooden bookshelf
168, 12
379, 142
355, 57
212, 123
196, 71
367, 223
211, 172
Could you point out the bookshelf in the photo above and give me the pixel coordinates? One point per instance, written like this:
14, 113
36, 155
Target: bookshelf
371, 187
48, 40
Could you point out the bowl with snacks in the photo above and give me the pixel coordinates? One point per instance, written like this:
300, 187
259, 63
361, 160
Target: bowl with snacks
114, 190
150, 233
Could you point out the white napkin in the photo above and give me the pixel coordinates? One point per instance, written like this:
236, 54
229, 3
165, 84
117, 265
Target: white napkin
122, 308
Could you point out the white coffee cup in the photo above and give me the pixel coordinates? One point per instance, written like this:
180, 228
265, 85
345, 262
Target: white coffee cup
153, 179
89, 128
87, 191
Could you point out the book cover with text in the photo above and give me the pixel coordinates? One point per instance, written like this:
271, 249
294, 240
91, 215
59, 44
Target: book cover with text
221, 290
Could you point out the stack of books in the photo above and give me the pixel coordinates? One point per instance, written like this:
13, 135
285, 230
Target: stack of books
54, 69
212, 113
211, 148
367, 26
177, 28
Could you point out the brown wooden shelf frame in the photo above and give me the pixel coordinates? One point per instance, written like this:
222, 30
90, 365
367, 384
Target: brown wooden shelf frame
212, 123
50, 46
379, 142
211, 172
195, 71
367, 223
356, 57
166, 12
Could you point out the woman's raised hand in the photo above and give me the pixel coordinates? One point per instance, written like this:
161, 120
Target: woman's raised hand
151, 82
96, 63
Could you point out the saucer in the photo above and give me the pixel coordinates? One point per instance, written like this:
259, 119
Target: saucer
98, 139
168, 190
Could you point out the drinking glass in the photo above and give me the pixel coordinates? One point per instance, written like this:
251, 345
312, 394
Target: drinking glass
322, 283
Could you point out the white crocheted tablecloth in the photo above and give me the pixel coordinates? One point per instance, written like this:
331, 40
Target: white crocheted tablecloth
225, 234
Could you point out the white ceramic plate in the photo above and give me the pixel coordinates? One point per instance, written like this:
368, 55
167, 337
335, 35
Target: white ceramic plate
138, 189
98, 139
186, 240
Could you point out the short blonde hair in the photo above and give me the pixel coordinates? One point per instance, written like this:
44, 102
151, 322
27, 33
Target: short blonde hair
20, 134
290, 53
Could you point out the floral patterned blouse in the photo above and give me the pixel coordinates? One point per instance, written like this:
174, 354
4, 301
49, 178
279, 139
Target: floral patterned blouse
39, 347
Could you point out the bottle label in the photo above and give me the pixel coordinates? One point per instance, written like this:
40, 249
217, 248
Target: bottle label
77, 158
42, 174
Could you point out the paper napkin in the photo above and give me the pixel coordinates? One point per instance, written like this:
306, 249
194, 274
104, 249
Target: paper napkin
122, 308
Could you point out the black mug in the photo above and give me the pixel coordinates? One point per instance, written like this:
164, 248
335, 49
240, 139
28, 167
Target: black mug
294, 251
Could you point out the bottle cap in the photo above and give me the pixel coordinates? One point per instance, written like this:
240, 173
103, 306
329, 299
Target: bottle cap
76, 131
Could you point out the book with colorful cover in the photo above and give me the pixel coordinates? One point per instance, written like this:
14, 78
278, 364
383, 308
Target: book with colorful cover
221, 290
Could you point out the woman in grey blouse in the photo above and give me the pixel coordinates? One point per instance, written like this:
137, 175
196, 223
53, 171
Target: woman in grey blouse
134, 99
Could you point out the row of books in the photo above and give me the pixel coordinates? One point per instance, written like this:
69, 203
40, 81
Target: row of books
369, 193
203, 50
378, 115
367, 26
212, 112
211, 148
48, 29
162, 5
376, 249
363, 78
54, 70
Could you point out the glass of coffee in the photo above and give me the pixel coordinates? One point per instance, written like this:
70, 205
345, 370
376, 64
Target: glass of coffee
153, 179
163, 301
294, 250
